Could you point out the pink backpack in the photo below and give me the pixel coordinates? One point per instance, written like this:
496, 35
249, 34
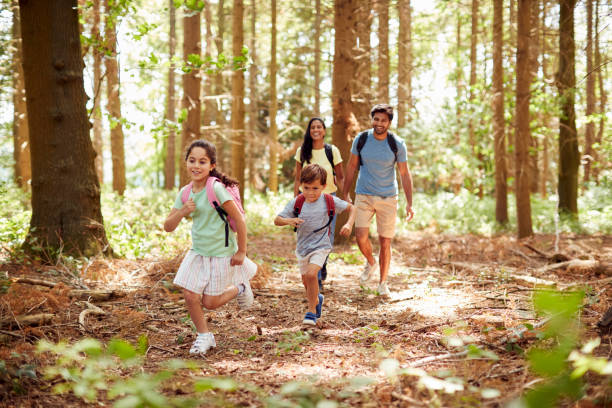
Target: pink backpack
214, 202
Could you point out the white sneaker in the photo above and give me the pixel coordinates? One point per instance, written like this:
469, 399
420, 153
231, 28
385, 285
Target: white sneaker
367, 271
203, 343
383, 290
245, 299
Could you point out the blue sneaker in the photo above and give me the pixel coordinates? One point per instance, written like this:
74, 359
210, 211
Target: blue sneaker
310, 319
319, 306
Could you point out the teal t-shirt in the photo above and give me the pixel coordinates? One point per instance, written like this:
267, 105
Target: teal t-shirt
208, 231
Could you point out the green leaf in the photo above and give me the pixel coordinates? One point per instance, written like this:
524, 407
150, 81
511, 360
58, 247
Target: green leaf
212, 383
121, 349
547, 363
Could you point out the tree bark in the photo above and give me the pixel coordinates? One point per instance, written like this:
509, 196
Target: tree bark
589, 135
499, 138
170, 161
114, 102
62, 153
569, 157
345, 126
404, 63
534, 51
21, 138
361, 86
98, 141
253, 99
473, 58
273, 177
238, 128
458, 74
220, 90
602, 95
383, 50
317, 59
521, 143
210, 105
191, 86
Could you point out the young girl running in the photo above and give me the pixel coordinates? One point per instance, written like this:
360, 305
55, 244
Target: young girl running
212, 273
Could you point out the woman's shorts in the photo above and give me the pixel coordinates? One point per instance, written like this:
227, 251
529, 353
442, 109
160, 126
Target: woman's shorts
316, 257
385, 209
211, 275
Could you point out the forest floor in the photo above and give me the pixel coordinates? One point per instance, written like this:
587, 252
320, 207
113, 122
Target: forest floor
447, 291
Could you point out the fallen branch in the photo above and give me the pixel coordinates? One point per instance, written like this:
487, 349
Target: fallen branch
436, 358
96, 295
91, 309
579, 266
31, 281
27, 320
533, 280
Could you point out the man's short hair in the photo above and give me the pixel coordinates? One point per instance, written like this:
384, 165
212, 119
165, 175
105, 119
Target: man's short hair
382, 108
313, 172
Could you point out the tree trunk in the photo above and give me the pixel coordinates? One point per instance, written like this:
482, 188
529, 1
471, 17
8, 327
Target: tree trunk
62, 153
501, 187
238, 129
534, 51
317, 59
590, 95
521, 142
21, 138
383, 50
210, 106
569, 157
602, 95
545, 117
98, 141
114, 103
344, 126
220, 90
170, 161
273, 177
473, 58
458, 74
404, 63
361, 86
191, 86
253, 100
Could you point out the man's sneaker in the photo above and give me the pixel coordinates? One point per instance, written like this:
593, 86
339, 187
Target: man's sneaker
319, 306
203, 343
383, 290
245, 299
367, 271
310, 319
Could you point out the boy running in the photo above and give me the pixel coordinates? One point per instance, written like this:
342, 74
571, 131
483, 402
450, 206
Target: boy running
313, 234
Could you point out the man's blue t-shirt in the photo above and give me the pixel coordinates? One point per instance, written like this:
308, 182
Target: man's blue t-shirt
377, 173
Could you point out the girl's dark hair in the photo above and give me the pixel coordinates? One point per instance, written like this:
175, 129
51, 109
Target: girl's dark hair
306, 152
211, 152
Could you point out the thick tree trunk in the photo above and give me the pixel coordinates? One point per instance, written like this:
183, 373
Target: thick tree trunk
404, 63
501, 186
191, 86
98, 141
62, 153
317, 59
238, 128
382, 7
589, 136
569, 157
221, 142
345, 126
534, 51
114, 102
21, 138
273, 177
545, 117
521, 142
210, 105
170, 161
361, 86
473, 58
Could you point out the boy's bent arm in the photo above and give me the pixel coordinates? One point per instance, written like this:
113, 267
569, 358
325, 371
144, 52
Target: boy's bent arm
280, 221
348, 226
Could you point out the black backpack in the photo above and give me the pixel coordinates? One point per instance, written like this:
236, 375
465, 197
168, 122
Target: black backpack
362, 138
330, 157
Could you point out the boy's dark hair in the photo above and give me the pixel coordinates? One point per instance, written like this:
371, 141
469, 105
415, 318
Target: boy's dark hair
313, 172
382, 108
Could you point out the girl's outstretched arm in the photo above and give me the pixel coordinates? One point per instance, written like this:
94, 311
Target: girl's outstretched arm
176, 215
241, 231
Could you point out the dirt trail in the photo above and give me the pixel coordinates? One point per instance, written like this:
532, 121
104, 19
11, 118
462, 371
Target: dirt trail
442, 286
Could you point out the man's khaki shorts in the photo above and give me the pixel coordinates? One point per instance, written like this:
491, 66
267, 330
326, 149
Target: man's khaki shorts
385, 209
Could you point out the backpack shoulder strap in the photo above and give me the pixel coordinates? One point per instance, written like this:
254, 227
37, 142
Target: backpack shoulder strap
362, 138
331, 206
210, 192
297, 206
330, 157
392, 143
185, 192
